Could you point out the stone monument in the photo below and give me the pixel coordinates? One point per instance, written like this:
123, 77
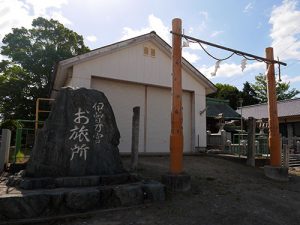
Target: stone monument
79, 138
75, 164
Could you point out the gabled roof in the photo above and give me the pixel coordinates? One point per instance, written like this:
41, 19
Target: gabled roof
285, 108
60, 74
217, 106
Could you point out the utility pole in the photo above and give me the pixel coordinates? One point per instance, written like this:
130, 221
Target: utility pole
274, 138
176, 137
176, 179
274, 170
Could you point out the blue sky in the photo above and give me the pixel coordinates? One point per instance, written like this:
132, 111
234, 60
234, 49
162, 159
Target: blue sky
245, 25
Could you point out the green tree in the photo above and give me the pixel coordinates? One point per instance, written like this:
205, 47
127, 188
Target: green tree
248, 95
283, 90
228, 92
17, 91
33, 54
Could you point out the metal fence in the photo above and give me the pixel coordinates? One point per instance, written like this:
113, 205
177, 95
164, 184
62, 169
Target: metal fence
24, 141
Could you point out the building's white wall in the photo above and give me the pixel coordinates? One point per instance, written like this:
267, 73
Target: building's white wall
200, 120
123, 97
158, 119
131, 65
187, 121
155, 114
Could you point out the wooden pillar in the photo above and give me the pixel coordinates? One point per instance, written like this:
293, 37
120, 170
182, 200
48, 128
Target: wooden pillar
251, 142
176, 137
135, 137
274, 139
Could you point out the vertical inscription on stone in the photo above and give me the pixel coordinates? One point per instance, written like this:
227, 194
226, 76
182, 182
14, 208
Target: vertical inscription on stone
80, 134
98, 107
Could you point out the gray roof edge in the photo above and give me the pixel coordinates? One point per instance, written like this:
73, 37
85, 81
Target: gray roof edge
266, 103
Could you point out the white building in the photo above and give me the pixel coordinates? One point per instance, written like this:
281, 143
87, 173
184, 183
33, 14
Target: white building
138, 72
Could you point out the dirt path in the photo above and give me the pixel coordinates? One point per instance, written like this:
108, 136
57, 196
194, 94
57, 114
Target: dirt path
223, 192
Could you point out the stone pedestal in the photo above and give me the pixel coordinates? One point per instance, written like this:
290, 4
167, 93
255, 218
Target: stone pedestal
177, 182
27, 204
277, 173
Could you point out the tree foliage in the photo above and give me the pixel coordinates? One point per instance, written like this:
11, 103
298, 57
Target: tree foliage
33, 54
283, 90
248, 95
228, 92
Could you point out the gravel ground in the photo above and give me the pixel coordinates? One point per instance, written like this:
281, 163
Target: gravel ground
222, 192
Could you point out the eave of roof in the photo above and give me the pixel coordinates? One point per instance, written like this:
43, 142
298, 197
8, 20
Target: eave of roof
285, 108
60, 76
214, 108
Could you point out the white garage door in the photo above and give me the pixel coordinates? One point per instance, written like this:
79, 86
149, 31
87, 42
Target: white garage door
155, 114
123, 97
159, 119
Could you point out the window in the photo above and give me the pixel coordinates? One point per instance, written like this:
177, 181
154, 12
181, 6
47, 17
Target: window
146, 51
152, 52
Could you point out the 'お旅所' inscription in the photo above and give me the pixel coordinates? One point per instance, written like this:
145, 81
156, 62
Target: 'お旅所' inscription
80, 134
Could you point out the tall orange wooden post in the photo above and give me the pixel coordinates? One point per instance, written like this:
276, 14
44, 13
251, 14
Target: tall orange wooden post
176, 179
274, 138
176, 137
274, 170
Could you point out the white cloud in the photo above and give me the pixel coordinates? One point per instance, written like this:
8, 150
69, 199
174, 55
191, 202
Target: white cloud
204, 19
216, 33
285, 30
248, 7
8, 12
191, 57
91, 38
196, 46
154, 24
294, 79
18, 13
58, 16
231, 69
40, 8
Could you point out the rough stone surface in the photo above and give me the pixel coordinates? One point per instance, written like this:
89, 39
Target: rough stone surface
129, 195
79, 200
47, 202
19, 207
29, 183
155, 191
79, 138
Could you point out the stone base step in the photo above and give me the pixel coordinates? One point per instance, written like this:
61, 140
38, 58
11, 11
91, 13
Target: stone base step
27, 183
22, 204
